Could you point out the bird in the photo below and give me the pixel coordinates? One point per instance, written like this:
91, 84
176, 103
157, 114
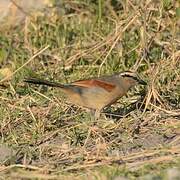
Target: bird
95, 93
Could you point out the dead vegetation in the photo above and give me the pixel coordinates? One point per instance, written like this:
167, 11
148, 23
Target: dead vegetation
52, 139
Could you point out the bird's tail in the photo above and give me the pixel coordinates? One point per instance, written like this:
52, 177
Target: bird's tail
43, 82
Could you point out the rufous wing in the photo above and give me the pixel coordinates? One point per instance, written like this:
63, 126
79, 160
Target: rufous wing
95, 83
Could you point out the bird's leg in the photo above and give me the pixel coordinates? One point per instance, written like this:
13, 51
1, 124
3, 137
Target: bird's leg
92, 114
95, 114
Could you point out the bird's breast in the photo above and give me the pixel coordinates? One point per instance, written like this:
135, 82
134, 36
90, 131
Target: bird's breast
93, 97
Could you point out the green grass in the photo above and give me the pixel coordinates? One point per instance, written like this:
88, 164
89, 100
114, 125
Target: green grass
53, 139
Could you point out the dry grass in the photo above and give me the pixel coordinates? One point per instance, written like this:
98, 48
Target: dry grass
52, 139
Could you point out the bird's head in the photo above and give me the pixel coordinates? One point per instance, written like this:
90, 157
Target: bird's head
131, 78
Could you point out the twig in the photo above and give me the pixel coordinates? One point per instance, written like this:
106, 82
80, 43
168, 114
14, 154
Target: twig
27, 62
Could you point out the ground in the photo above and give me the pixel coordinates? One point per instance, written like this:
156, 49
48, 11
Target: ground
45, 137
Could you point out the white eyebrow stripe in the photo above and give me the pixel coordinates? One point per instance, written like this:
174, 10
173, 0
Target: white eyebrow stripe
128, 73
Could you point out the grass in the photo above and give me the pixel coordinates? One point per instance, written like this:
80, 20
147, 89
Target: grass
52, 139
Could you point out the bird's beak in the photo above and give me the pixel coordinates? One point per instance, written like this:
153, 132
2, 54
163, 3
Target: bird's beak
142, 82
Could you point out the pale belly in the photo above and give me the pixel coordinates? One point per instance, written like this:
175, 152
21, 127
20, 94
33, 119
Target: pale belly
98, 98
